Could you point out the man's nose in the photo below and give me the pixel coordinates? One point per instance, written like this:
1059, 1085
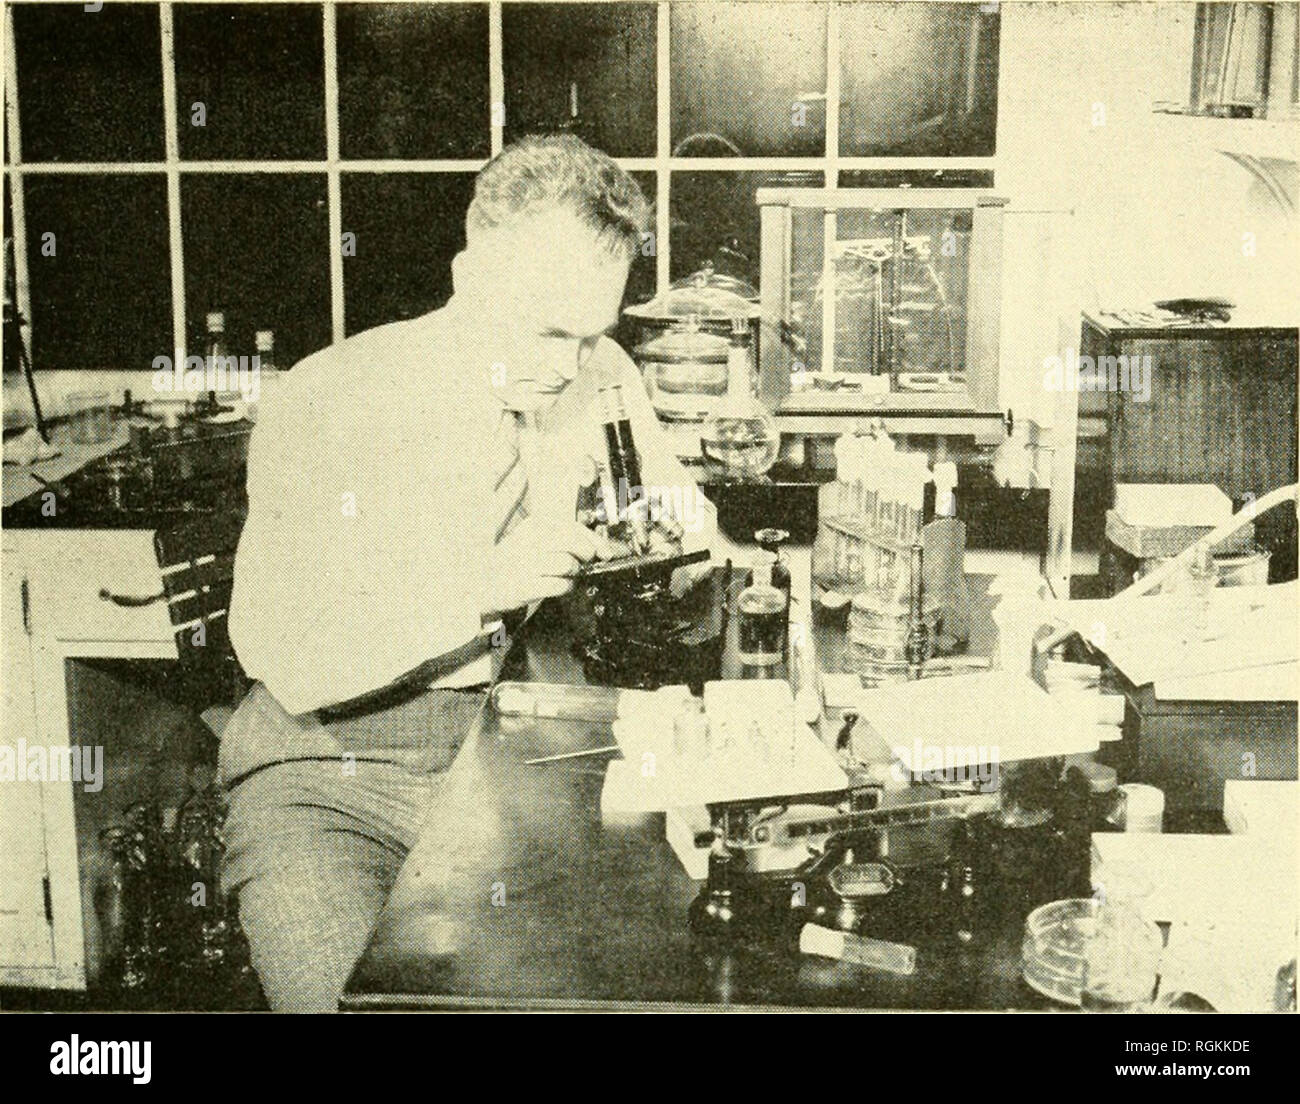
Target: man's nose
567, 358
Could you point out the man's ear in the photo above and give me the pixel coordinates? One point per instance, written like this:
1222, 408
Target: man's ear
458, 272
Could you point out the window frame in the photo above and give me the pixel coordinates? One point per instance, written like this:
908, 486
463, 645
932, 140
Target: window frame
662, 164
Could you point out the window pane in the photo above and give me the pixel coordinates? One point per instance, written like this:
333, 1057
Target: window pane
89, 83
748, 79
256, 248
641, 280
715, 219
101, 286
257, 70
408, 226
918, 80
413, 81
587, 68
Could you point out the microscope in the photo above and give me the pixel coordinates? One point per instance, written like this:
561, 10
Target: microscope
634, 632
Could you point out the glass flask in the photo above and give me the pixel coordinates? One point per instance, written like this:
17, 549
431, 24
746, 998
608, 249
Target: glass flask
739, 441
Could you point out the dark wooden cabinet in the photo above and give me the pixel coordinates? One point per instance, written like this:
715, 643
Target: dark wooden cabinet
1221, 408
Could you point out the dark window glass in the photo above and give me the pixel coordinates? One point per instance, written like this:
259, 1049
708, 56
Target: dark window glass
89, 83
585, 68
748, 79
408, 226
413, 80
916, 178
103, 298
641, 279
257, 69
257, 249
715, 219
918, 80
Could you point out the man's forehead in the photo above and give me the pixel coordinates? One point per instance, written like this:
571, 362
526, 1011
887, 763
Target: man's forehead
565, 279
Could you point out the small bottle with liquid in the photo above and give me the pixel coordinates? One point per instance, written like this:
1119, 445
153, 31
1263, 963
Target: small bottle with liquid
764, 618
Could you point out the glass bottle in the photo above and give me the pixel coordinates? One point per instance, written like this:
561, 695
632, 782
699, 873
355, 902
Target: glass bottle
771, 540
739, 440
763, 623
215, 345
199, 840
264, 347
114, 904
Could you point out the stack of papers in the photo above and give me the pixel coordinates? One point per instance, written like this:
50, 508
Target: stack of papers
1239, 654
965, 720
1167, 505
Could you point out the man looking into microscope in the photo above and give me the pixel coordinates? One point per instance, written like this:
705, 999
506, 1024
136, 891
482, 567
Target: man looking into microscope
407, 489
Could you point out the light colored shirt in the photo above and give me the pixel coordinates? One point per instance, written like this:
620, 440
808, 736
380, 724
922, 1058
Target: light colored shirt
375, 497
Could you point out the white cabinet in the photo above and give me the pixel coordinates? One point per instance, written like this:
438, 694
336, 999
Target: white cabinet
54, 612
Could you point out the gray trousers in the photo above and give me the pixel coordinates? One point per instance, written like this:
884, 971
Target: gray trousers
314, 845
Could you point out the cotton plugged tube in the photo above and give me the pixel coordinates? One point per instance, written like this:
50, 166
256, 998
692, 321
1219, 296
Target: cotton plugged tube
893, 958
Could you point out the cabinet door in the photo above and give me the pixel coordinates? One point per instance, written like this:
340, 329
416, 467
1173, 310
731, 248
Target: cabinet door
1221, 410
26, 937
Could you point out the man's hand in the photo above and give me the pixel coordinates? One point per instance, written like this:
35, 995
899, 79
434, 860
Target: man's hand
537, 560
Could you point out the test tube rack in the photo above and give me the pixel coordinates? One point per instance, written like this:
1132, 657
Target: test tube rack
870, 516
868, 548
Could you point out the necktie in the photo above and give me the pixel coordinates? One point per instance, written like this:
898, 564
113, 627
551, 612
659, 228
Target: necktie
510, 489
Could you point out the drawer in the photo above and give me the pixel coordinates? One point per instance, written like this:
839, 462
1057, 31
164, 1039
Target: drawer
73, 567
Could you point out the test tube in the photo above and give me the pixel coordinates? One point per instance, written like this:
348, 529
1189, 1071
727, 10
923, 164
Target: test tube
871, 508
853, 560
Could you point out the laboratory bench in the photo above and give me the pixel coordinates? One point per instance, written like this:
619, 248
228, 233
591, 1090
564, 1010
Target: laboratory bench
520, 894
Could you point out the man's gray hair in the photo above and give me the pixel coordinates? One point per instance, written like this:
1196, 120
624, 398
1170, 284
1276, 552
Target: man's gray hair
541, 173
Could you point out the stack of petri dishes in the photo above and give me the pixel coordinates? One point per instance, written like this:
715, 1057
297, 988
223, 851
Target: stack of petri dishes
1098, 955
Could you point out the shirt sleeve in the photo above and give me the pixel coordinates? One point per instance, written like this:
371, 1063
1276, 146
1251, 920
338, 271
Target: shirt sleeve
357, 563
